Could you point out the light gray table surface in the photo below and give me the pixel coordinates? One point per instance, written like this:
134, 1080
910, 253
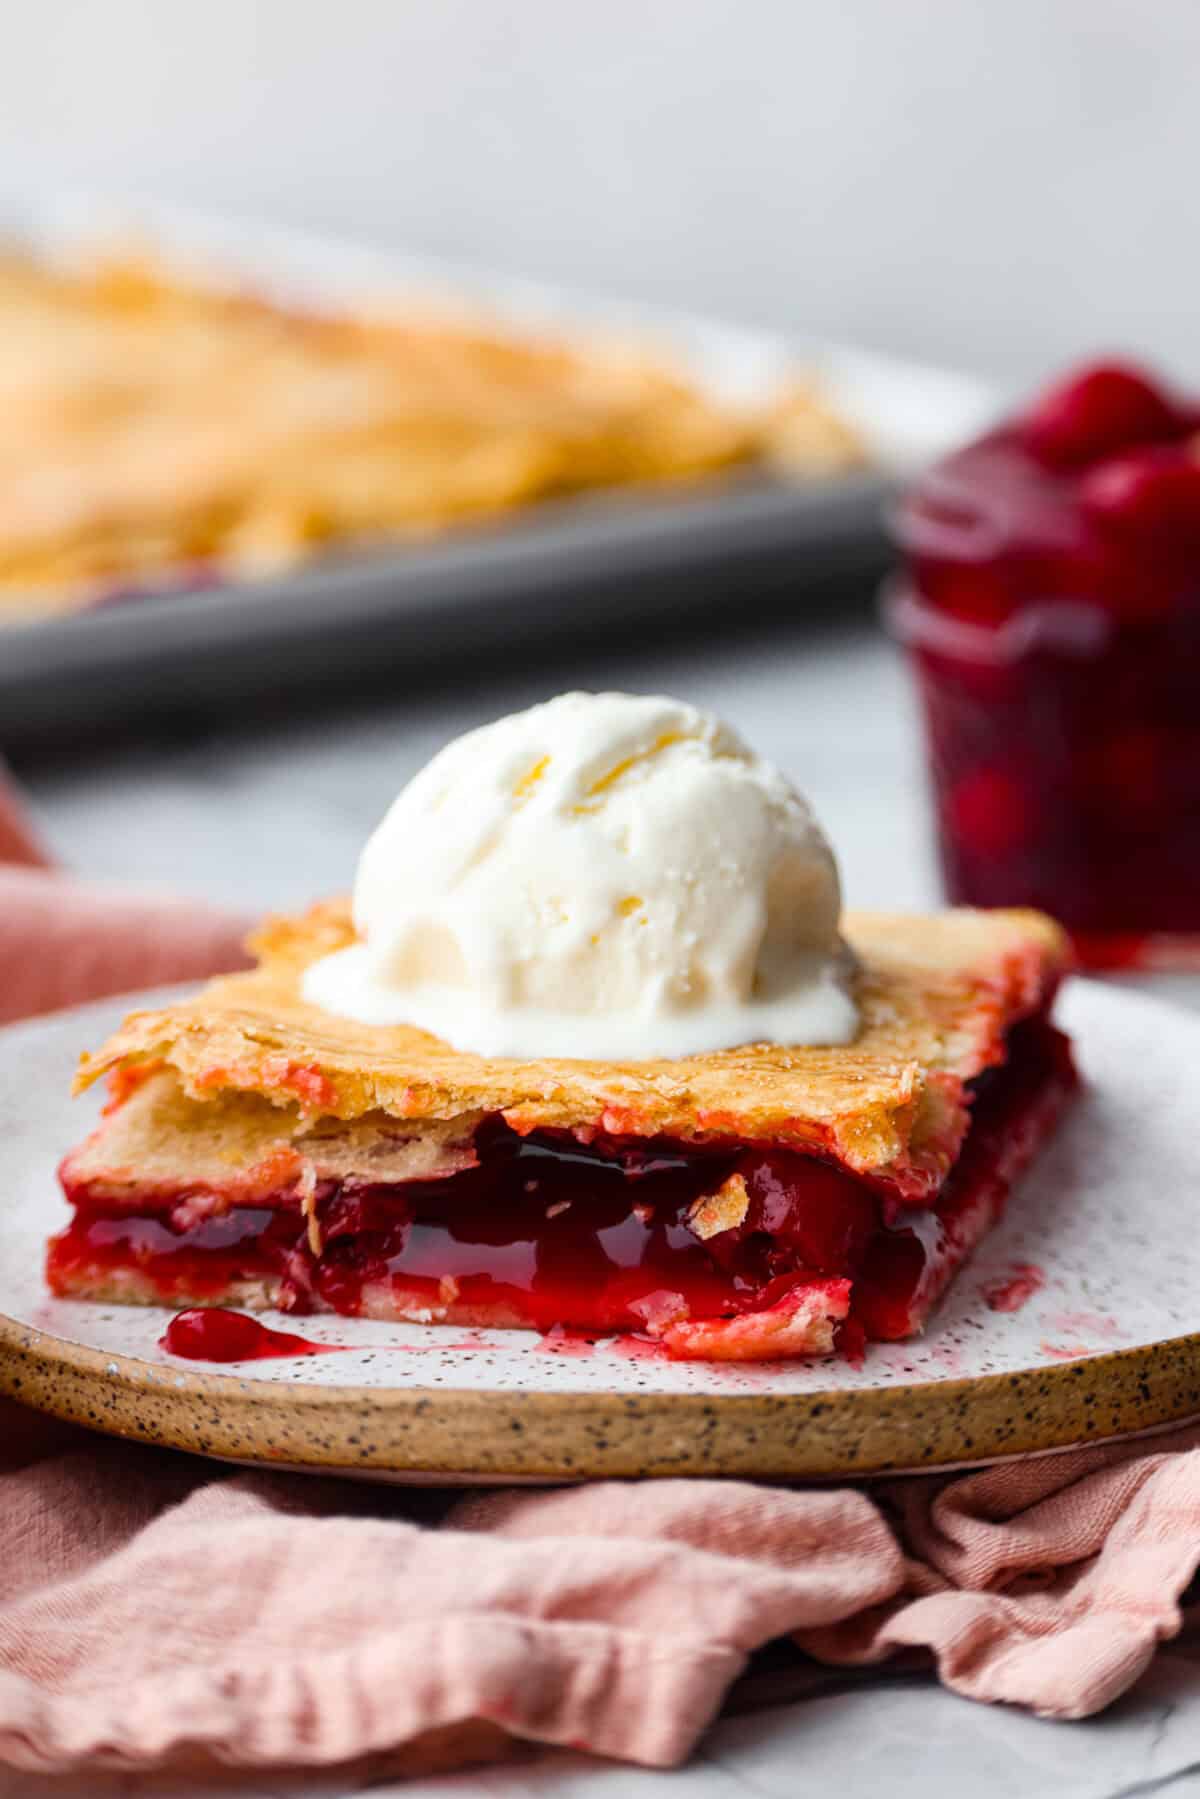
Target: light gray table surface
274, 814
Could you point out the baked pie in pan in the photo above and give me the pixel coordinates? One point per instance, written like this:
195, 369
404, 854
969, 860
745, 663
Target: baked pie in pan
161, 431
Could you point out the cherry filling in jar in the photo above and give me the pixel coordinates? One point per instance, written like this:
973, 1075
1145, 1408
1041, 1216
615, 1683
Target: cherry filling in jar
1051, 609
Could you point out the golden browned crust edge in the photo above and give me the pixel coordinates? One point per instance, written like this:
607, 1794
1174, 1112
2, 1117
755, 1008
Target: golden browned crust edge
240, 1147
937, 993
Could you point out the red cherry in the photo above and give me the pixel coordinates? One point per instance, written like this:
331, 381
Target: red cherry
1107, 407
1146, 510
988, 814
1153, 493
1123, 778
824, 1216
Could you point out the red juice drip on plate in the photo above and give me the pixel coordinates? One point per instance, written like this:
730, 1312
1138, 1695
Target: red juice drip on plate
216, 1334
213, 1334
1016, 1290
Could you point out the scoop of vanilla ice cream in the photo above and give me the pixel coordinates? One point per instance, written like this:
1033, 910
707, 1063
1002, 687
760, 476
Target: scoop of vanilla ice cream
607, 876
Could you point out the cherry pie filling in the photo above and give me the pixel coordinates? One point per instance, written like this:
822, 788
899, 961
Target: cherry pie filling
1053, 617
546, 1231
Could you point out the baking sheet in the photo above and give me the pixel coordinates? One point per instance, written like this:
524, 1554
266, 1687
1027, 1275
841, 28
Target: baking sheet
625, 559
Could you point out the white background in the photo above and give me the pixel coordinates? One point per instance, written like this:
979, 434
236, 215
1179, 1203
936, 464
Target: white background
995, 183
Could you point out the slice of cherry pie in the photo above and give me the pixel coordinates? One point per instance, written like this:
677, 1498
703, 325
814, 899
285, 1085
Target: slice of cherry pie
744, 1204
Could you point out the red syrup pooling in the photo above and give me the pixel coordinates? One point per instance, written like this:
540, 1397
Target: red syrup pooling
1053, 617
1014, 1292
546, 1233
213, 1334
216, 1334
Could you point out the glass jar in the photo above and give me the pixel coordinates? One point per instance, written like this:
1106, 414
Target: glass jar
1051, 612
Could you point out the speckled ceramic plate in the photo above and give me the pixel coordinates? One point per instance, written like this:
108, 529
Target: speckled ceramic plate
1099, 1259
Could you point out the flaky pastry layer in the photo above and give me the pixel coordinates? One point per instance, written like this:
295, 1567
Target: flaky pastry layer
938, 995
238, 1147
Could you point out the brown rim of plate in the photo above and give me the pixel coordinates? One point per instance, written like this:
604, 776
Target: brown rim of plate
495, 1435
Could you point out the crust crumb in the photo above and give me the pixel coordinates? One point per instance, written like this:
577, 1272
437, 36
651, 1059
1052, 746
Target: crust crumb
306, 1187
723, 1210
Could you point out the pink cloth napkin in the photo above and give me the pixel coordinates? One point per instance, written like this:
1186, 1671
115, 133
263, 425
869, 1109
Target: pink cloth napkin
153, 1607
63, 941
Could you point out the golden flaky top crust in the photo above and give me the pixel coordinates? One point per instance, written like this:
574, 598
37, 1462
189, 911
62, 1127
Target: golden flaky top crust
937, 995
118, 461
